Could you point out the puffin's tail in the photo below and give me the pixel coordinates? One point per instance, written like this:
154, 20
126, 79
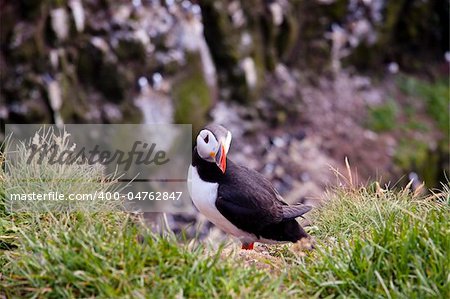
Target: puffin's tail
292, 212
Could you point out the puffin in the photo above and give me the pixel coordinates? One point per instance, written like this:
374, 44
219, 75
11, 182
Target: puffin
238, 200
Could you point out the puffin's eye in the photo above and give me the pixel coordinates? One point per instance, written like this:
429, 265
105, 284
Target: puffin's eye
206, 138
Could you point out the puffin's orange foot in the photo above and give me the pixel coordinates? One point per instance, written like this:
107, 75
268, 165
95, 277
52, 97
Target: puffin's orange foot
248, 246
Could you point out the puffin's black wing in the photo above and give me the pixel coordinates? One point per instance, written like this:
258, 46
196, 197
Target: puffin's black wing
248, 200
292, 212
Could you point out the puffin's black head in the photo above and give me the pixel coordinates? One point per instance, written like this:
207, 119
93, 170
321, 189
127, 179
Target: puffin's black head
213, 143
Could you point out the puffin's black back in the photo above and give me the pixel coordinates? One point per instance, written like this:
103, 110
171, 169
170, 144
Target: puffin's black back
249, 201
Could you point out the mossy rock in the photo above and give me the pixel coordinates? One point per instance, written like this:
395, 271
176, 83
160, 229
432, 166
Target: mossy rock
113, 82
73, 106
312, 50
129, 48
287, 37
336, 11
224, 39
74, 99
33, 9
89, 59
131, 113
32, 46
191, 95
8, 17
410, 29
106, 75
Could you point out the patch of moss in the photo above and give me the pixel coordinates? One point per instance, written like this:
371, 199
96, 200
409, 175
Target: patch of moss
383, 118
436, 96
191, 95
415, 125
415, 155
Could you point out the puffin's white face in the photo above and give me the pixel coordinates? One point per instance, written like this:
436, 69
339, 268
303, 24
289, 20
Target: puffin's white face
212, 150
207, 145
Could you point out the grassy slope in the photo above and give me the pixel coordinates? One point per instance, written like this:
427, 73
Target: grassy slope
370, 244
380, 245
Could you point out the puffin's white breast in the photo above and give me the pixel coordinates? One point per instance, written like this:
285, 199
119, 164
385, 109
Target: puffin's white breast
204, 195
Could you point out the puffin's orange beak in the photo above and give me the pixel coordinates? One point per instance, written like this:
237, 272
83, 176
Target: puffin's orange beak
221, 158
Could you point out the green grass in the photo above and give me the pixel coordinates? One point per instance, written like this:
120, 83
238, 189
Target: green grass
351, 213
402, 259
371, 243
79, 256
388, 245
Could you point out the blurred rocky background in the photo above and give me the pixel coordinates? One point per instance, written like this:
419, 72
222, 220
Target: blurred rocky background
302, 84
